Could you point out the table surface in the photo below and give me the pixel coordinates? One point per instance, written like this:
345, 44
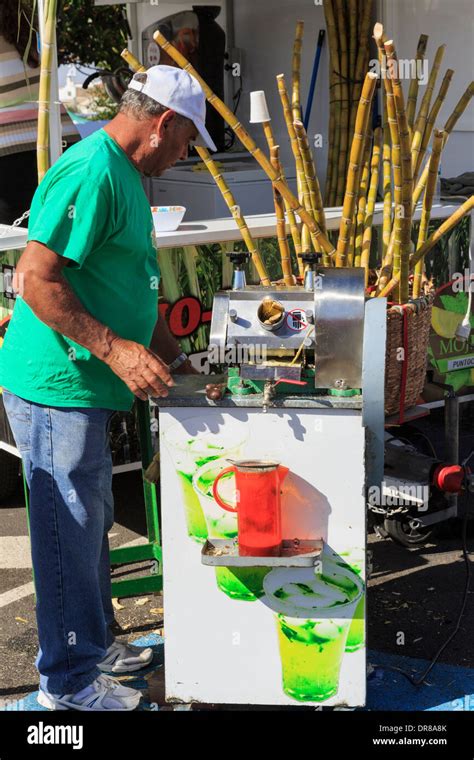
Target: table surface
225, 229
190, 391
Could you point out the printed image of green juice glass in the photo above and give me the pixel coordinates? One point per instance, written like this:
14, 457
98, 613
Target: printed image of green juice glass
189, 452
314, 612
352, 559
241, 583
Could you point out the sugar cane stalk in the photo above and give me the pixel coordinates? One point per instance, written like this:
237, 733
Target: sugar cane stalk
420, 124
335, 105
46, 62
302, 181
387, 184
445, 227
344, 91
281, 224
350, 252
458, 111
427, 203
133, 62
430, 122
362, 58
362, 202
247, 141
371, 199
355, 167
311, 178
386, 156
403, 219
353, 40
414, 83
295, 233
389, 261
296, 71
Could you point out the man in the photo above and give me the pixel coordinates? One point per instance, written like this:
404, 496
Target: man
83, 340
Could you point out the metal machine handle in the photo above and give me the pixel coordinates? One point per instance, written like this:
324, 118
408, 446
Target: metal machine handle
215, 493
291, 382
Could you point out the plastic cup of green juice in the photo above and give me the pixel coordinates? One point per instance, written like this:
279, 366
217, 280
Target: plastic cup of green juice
314, 614
353, 559
242, 583
189, 453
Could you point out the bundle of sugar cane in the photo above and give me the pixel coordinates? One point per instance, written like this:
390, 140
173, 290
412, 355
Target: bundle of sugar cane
273, 174
410, 134
348, 28
397, 157
406, 136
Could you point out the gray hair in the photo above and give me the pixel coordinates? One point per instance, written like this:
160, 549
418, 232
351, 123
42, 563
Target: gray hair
140, 106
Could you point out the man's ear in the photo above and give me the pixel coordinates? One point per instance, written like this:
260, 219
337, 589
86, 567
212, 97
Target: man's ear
165, 120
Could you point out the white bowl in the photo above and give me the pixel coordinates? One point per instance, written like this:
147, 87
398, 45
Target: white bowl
167, 218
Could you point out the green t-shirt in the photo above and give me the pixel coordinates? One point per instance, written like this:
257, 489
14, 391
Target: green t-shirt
91, 208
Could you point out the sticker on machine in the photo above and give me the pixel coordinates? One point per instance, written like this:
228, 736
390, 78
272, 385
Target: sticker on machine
462, 362
297, 320
153, 54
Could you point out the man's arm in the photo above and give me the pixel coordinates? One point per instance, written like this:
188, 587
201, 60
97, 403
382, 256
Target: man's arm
165, 345
40, 282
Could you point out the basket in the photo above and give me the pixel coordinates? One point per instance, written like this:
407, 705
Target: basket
406, 356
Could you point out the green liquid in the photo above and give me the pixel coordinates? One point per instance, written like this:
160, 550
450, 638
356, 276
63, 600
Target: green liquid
224, 526
195, 520
312, 646
356, 635
243, 583
311, 655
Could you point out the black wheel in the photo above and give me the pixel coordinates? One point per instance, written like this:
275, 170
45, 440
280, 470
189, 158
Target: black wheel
9, 474
406, 532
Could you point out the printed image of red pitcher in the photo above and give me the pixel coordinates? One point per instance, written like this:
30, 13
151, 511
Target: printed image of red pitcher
258, 505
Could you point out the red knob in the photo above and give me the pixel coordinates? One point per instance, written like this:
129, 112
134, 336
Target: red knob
449, 478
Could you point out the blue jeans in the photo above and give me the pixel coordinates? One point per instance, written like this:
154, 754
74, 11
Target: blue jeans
68, 467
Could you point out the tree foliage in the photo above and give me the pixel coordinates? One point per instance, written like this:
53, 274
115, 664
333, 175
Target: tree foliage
86, 34
91, 35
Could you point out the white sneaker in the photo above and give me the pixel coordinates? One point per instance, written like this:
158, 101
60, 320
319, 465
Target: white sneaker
105, 693
124, 658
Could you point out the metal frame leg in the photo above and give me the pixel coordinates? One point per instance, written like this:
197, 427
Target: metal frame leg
152, 549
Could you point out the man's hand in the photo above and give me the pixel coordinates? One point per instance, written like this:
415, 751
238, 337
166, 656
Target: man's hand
141, 370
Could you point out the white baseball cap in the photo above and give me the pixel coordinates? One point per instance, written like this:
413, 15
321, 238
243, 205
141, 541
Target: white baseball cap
179, 91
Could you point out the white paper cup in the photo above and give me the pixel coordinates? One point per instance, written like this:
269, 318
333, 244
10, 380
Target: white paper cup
258, 107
